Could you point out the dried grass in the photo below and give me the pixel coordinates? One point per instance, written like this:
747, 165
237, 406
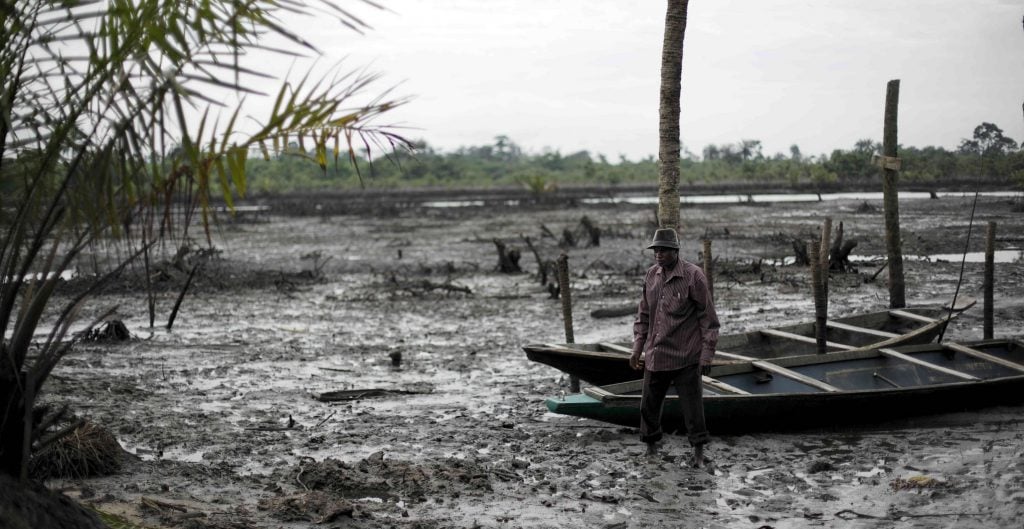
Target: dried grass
88, 450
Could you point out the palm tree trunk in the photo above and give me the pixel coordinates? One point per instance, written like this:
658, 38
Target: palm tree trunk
12, 425
668, 114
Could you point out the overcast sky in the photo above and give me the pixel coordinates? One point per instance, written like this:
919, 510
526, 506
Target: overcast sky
584, 74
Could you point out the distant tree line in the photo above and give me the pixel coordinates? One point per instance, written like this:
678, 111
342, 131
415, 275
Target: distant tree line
988, 156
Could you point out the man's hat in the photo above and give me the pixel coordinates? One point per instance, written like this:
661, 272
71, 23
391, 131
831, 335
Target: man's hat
665, 238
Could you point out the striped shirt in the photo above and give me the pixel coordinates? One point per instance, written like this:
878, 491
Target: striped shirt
676, 324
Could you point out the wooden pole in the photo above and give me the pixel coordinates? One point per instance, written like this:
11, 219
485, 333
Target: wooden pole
819, 299
823, 263
150, 295
708, 268
990, 251
563, 289
890, 168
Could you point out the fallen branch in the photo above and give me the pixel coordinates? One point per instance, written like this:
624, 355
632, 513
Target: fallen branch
291, 424
325, 419
161, 505
356, 394
847, 514
614, 312
447, 287
875, 275
419, 287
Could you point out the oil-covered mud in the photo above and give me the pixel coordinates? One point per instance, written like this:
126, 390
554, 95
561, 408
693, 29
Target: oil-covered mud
444, 424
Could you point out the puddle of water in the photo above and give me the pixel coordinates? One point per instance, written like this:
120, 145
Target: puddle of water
464, 203
65, 275
184, 456
999, 256
763, 198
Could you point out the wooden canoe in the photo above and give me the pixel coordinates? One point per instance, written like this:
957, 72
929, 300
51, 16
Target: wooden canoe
608, 363
823, 391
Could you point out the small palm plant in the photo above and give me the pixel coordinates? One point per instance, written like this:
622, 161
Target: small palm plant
109, 137
539, 185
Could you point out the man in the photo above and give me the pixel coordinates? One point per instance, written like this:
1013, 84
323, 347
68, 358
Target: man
674, 339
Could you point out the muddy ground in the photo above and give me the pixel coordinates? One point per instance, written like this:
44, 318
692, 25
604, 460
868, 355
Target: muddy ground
222, 430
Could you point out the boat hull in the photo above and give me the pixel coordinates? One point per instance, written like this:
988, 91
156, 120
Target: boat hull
603, 364
801, 410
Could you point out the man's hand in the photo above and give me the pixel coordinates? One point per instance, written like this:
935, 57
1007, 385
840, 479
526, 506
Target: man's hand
705, 370
635, 362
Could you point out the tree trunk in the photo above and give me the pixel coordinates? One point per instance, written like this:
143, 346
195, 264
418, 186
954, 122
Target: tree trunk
668, 114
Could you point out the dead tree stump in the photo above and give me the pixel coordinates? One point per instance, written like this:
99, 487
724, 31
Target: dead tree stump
839, 259
593, 230
568, 239
508, 258
800, 251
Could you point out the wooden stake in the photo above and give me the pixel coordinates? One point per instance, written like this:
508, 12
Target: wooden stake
823, 262
897, 295
820, 319
709, 268
990, 250
150, 295
563, 289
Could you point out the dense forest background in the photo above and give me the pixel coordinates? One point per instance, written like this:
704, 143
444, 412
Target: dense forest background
987, 157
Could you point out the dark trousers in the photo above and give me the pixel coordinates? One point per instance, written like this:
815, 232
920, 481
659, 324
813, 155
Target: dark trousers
691, 397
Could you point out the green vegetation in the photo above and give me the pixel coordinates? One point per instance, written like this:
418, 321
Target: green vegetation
97, 151
988, 156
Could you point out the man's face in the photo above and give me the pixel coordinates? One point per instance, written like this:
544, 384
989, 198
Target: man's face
665, 256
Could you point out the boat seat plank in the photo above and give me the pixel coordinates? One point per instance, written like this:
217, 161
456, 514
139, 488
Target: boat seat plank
806, 339
789, 373
734, 356
722, 386
580, 352
616, 347
907, 358
862, 330
911, 316
960, 348
597, 392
